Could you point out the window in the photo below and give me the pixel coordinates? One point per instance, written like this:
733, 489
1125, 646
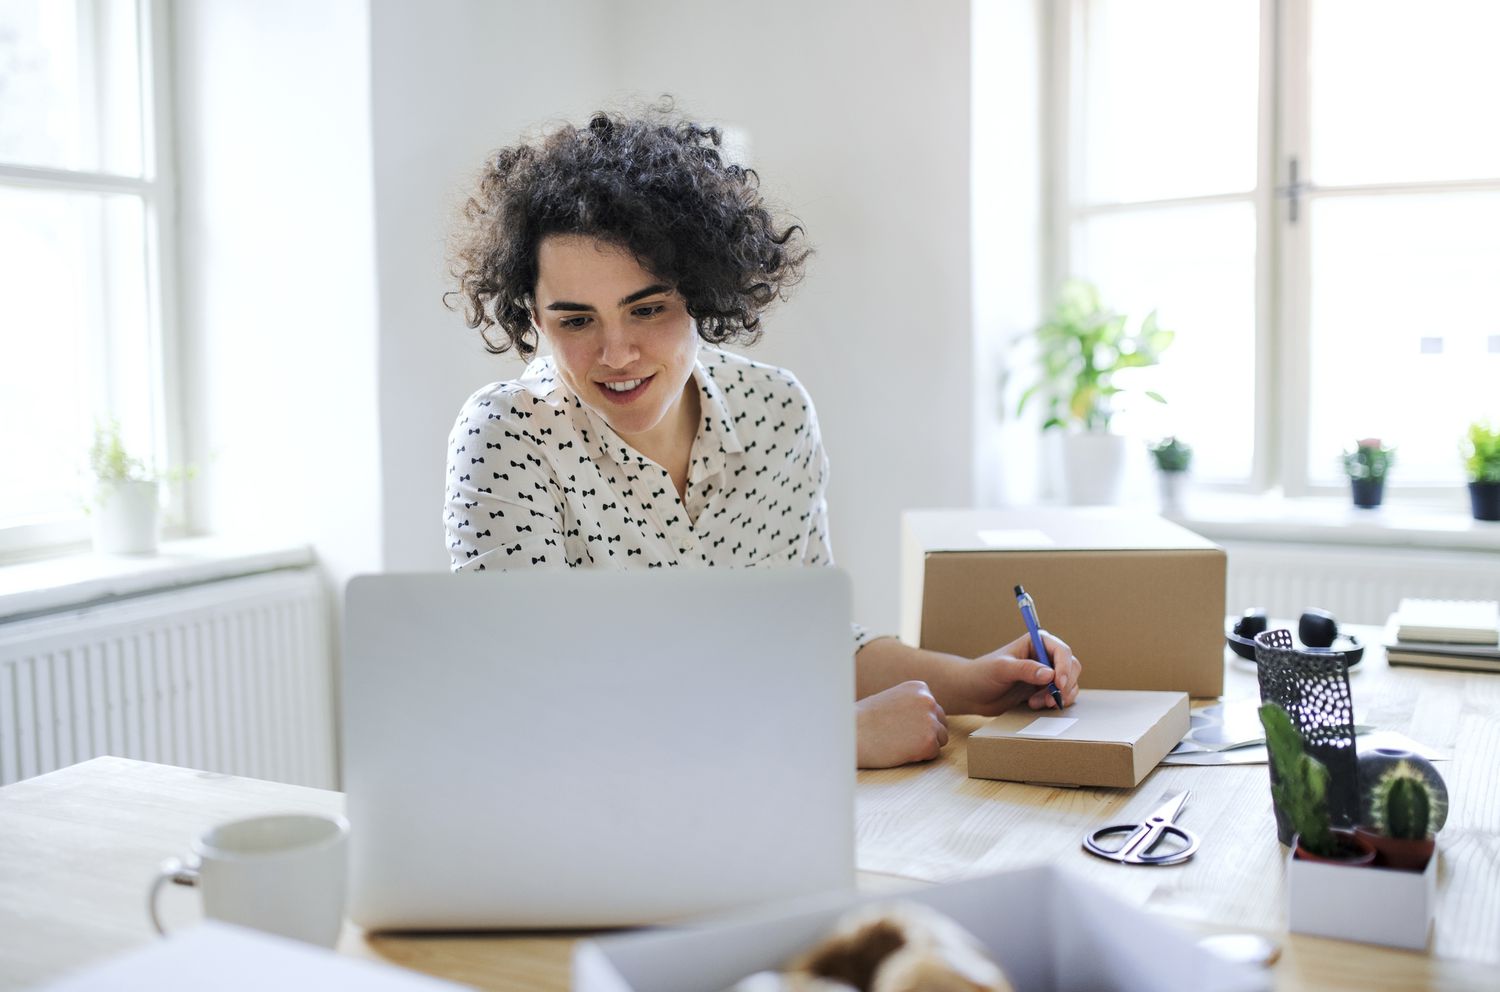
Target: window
1309, 192
84, 198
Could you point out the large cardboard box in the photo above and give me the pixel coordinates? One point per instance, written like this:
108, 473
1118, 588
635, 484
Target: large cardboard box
1048, 929
1140, 600
1108, 737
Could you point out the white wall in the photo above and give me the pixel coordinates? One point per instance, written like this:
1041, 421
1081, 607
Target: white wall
451, 81
1007, 205
277, 278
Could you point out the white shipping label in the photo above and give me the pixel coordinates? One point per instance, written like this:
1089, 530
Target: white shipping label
1015, 539
1047, 726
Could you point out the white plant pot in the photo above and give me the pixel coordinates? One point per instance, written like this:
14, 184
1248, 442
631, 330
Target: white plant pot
125, 518
1172, 485
1093, 468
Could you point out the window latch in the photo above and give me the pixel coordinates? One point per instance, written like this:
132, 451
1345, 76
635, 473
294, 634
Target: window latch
1292, 190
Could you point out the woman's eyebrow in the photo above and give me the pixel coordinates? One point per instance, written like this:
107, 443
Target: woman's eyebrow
639, 294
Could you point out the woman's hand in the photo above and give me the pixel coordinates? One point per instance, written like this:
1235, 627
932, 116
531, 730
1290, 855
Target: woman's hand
900, 725
993, 683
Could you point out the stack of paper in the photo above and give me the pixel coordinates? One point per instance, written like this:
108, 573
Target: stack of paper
1445, 633
1454, 621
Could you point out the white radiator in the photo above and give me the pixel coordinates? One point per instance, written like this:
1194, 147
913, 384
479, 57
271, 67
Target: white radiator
1356, 584
233, 676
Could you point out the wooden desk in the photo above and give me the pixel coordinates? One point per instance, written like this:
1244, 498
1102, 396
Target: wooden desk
79, 846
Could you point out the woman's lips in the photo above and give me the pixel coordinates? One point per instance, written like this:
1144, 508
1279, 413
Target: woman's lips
627, 396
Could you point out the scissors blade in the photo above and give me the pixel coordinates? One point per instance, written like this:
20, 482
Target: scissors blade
1171, 805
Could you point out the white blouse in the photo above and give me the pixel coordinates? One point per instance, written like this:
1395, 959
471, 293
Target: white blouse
538, 480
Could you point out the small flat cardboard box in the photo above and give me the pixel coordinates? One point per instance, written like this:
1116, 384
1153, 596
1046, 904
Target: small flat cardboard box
1139, 599
1108, 737
1368, 904
1047, 929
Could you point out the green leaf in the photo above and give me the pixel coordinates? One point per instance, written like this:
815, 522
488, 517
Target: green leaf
1025, 396
1158, 397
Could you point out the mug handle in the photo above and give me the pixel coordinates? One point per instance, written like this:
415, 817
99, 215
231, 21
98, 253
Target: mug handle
171, 870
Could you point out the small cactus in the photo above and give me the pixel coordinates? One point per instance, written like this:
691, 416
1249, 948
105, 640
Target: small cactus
1403, 804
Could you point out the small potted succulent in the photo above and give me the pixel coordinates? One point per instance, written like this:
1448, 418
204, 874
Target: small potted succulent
1338, 882
127, 496
1481, 449
1366, 466
1403, 808
1173, 458
1299, 790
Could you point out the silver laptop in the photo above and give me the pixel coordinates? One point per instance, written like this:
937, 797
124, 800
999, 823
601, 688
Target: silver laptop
588, 749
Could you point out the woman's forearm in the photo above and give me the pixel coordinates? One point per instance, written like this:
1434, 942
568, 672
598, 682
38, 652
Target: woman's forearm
886, 662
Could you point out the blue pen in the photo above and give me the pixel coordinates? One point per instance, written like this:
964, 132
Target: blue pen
1028, 613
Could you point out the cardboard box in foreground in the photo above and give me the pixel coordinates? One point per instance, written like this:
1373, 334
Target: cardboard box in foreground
1048, 930
1140, 600
1108, 737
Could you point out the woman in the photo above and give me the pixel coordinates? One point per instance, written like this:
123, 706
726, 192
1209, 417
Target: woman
629, 245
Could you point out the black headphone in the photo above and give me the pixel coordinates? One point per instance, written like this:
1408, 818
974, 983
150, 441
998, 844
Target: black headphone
1317, 630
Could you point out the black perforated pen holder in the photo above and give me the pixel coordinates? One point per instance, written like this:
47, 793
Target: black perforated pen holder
1313, 687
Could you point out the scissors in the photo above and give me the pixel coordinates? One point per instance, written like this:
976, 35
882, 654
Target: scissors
1137, 843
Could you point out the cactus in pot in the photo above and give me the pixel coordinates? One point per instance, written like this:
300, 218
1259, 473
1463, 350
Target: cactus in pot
1403, 807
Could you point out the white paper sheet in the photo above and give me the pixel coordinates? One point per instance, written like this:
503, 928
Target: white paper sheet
232, 959
1256, 755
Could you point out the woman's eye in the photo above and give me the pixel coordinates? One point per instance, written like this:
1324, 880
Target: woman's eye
649, 310
573, 323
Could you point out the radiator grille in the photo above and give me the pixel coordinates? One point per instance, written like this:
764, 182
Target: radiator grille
1358, 585
232, 676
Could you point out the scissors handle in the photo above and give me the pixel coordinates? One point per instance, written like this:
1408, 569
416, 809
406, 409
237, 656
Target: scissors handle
1140, 842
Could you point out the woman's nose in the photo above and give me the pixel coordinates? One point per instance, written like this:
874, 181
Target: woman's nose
619, 347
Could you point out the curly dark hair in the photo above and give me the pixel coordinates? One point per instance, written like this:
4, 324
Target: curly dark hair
656, 186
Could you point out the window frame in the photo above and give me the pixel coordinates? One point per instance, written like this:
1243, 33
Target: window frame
157, 189
1283, 277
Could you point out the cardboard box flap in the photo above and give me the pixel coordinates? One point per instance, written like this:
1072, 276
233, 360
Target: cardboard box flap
1099, 716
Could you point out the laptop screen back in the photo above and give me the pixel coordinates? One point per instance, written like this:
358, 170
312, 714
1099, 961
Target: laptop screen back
588, 748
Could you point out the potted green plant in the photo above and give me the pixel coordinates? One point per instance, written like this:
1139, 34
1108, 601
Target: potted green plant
1299, 791
127, 496
1366, 465
1335, 886
1173, 458
1402, 818
1481, 449
1083, 346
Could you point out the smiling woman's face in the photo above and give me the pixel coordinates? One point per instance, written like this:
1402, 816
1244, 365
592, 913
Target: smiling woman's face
622, 340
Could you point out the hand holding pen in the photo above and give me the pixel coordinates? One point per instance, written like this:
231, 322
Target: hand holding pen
1034, 630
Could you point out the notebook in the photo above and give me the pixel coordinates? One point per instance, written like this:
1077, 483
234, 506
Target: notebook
1448, 621
589, 749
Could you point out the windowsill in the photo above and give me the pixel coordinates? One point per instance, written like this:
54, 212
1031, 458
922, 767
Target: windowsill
1336, 521
82, 578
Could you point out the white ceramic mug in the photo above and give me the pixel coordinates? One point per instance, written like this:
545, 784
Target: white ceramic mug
283, 874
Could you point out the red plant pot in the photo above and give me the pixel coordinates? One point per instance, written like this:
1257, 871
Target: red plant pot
1350, 849
1396, 852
